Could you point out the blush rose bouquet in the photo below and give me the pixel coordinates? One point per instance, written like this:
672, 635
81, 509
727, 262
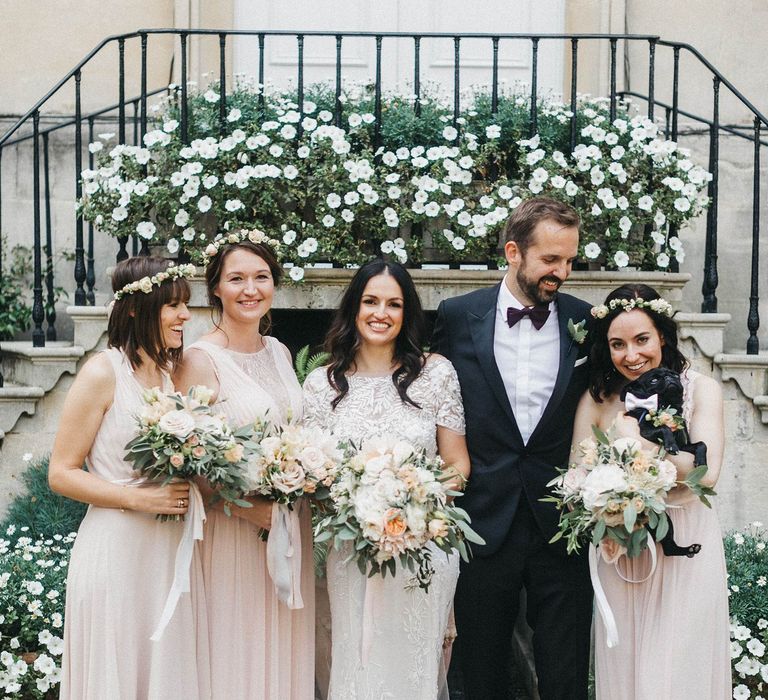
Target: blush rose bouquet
290, 461
390, 502
613, 491
181, 437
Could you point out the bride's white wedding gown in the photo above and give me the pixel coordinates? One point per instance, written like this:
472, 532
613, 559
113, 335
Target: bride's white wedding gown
402, 656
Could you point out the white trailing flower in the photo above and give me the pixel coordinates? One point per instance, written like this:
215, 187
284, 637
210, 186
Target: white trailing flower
592, 250
146, 229
621, 259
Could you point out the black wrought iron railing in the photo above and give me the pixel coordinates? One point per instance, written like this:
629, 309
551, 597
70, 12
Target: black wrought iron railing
133, 113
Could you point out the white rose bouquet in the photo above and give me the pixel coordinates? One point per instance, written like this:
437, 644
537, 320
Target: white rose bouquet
291, 461
615, 489
390, 502
180, 437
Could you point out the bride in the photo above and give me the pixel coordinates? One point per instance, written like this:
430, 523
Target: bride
380, 382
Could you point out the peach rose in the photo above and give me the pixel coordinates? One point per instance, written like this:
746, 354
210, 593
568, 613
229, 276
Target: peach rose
177, 460
394, 523
198, 451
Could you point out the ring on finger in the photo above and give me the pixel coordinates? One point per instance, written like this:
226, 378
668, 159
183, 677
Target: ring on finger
180, 503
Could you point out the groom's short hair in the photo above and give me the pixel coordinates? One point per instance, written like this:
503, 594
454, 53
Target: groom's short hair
519, 227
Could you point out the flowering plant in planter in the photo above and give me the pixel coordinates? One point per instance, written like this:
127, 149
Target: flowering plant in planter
33, 576
746, 554
335, 189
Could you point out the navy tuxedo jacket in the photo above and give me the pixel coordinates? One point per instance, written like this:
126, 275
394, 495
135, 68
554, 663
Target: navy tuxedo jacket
504, 469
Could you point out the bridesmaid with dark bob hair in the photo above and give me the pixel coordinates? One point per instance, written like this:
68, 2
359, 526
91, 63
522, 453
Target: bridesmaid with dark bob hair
123, 561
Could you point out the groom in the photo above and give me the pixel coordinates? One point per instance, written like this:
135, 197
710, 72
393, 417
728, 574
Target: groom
522, 374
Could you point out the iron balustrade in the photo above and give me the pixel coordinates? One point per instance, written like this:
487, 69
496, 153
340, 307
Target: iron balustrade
83, 269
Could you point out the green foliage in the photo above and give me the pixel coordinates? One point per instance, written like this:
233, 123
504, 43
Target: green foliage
15, 281
306, 363
746, 556
40, 510
15, 314
33, 575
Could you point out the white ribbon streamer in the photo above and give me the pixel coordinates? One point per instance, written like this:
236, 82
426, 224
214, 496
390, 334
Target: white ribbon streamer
603, 606
193, 530
373, 591
631, 402
284, 555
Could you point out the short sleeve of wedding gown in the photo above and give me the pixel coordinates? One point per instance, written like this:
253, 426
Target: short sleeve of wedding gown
449, 411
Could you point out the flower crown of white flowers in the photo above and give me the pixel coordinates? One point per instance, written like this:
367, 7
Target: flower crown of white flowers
224, 239
145, 284
659, 306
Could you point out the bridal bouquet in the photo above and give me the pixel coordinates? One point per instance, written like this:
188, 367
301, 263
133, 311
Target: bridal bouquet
181, 437
390, 503
615, 489
291, 461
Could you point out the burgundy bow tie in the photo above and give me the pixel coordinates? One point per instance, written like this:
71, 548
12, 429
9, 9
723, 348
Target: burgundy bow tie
538, 315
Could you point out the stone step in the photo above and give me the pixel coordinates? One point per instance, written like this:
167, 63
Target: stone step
16, 400
707, 331
761, 402
750, 372
43, 367
90, 323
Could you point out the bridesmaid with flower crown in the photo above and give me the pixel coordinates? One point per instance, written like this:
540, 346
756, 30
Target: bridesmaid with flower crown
261, 635
672, 623
123, 561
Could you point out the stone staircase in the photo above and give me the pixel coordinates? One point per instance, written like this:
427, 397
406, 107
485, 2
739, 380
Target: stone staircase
36, 380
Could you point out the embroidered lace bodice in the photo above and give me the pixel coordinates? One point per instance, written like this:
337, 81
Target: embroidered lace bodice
373, 406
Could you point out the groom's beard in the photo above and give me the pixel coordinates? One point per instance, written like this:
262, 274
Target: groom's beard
534, 290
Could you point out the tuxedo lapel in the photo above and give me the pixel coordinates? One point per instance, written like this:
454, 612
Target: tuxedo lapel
568, 353
482, 323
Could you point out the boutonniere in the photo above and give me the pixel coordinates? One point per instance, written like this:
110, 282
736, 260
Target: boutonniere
577, 331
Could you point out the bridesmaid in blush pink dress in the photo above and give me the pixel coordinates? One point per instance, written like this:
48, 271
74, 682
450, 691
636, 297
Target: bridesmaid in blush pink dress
261, 649
122, 564
673, 627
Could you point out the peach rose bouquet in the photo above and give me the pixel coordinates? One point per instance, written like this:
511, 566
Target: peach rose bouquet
615, 492
181, 437
390, 503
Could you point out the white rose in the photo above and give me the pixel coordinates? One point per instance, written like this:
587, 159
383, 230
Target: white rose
271, 448
668, 472
177, 423
600, 482
313, 460
573, 480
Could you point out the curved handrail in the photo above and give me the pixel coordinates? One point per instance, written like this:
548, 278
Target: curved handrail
723, 127
719, 75
70, 121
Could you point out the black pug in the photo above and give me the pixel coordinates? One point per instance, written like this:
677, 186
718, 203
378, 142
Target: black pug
665, 385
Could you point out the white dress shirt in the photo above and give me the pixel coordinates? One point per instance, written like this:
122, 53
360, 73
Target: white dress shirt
528, 360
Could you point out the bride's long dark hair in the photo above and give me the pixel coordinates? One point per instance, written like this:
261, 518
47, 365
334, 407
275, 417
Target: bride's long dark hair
343, 341
604, 379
